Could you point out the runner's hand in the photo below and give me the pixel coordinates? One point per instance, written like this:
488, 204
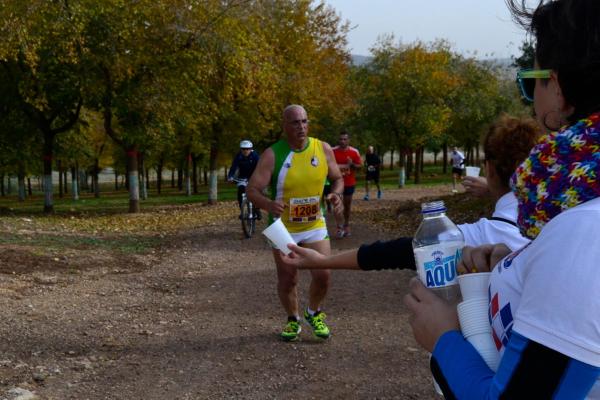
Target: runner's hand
302, 257
336, 202
276, 208
430, 316
481, 258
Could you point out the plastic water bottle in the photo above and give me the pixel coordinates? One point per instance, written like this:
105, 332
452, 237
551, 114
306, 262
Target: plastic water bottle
438, 247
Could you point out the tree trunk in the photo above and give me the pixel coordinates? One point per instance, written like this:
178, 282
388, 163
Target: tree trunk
126, 175
134, 187
159, 170
83, 180
60, 181
91, 178
96, 178
422, 162
180, 177
48, 188
445, 157
212, 191
2, 185
116, 179
409, 163
147, 174
418, 159
186, 171
172, 178
74, 185
402, 172
392, 160
143, 177
21, 179
195, 173
29, 187
205, 173
9, 185
477, 155
65, 181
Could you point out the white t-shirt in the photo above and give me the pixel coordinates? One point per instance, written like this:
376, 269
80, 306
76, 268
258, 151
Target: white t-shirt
457, 159
489, 231
549, 291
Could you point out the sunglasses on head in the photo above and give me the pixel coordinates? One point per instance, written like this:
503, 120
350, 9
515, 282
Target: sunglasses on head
526, 80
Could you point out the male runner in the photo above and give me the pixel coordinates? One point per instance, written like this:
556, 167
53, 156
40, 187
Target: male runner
296, 168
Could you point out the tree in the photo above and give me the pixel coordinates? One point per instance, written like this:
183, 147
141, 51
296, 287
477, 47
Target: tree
39, 57
527, 57
405, 93
137, 58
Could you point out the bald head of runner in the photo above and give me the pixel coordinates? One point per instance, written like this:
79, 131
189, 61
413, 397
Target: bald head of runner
295, 126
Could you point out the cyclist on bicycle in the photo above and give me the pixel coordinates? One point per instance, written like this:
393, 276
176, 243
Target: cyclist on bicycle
243, 163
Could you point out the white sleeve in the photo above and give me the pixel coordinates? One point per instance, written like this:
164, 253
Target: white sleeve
487, 231
471, 233
560, 302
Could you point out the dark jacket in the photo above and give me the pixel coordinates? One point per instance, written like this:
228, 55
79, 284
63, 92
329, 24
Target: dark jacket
245, 165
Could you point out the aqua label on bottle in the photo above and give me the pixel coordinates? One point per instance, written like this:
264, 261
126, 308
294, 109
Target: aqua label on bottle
436, 264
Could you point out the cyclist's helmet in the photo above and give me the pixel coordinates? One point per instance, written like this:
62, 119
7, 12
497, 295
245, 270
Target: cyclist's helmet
245, 144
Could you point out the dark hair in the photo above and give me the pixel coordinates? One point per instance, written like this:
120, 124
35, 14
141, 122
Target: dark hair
567, 33
508, 143
345, 132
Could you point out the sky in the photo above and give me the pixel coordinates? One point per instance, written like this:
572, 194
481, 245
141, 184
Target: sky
480, 28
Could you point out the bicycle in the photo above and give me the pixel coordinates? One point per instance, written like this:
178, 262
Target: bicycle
248, 215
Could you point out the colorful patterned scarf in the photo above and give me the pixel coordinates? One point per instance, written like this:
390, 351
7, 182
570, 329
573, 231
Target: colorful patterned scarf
561, 172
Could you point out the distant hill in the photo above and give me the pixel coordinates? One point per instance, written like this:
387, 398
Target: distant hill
503, 65
360, 60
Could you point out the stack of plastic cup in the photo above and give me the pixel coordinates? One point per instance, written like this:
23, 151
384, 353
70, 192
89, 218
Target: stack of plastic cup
278, 234
473, 316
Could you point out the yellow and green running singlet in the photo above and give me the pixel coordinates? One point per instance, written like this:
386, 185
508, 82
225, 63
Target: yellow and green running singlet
298, 180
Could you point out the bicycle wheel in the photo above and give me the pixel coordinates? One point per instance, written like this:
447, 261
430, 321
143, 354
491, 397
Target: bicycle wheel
248, 219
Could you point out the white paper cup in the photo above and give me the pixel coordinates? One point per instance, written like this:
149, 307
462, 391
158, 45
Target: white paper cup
475, 327
473, 306
473, 317
482, 342
474, 285
473, 171
489, 353
492, 361
437, 388
279, 236
484, 345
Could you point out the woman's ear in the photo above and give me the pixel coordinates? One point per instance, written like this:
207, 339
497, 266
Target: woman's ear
564, 108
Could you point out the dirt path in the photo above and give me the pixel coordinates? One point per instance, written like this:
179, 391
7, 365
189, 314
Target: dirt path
199, 320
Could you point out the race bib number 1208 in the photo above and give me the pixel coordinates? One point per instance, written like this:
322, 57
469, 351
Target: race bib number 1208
304, 209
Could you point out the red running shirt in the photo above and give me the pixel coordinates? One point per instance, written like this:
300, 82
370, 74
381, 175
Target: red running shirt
341, 157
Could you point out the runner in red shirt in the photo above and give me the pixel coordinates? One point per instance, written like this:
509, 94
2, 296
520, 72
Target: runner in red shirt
349, 160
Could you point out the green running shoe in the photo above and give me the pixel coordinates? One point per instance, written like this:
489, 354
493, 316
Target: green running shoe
317, 323
291, 331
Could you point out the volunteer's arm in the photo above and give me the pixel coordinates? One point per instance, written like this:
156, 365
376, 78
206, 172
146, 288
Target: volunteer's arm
393, 254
